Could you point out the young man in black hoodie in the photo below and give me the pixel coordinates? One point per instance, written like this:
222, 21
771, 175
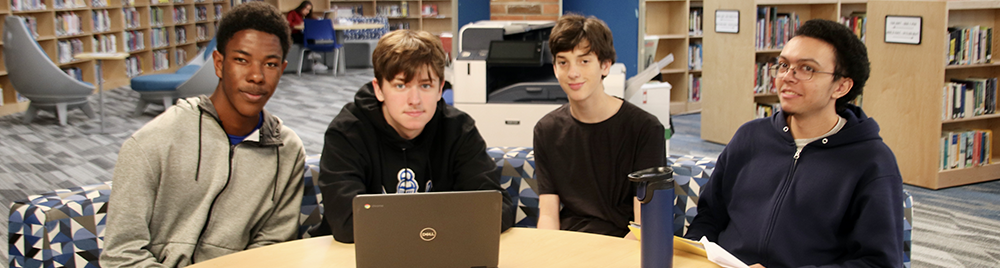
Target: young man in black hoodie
813, 185
398, 136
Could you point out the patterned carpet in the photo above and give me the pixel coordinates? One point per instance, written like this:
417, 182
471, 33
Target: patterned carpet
957, 227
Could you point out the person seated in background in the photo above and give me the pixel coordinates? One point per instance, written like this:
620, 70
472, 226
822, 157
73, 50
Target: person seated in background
398, 136
212, 175
813, 185
296, 20
585, 149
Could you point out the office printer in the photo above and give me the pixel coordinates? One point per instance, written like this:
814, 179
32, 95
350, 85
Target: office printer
503, 78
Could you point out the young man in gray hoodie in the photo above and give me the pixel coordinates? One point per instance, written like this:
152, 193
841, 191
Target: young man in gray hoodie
212, 175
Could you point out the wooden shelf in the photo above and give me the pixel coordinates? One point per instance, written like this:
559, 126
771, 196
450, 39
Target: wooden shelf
765, 95
970, 119
794, 2
672, 71
853, 1
962, 176
696, 71
695, 36
969, 5
2, 73
71, 9
72, 36
667, 36
970, 66
74, 61
30, 11
768, 51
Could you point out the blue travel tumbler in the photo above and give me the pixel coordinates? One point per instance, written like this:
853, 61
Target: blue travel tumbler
656, 193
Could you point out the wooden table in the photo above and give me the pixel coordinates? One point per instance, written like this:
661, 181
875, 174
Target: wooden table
519, 247
100, 79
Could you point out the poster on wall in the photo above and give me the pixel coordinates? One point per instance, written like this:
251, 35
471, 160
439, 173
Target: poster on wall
903, 29
727, 21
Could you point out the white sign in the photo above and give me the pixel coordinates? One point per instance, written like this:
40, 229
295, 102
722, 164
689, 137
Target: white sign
727, 21
903, 30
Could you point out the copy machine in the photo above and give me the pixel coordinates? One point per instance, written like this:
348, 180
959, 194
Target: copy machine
503, 78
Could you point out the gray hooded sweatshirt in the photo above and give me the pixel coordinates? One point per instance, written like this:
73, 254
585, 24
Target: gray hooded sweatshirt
182, 194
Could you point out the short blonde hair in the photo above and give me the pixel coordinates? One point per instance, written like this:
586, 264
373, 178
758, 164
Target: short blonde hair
406, 51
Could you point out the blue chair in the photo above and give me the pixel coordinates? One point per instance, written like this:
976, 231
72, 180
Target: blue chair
196, 78
319, 36
57, 92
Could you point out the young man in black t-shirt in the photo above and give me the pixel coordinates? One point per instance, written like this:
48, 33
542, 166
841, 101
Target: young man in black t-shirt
584, 150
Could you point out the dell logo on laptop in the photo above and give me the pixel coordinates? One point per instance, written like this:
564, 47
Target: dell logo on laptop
428, 234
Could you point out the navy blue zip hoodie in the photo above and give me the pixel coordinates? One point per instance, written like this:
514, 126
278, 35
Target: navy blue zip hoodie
839, 203
363, 154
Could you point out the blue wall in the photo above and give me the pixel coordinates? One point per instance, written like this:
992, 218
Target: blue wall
621, 18
470, 11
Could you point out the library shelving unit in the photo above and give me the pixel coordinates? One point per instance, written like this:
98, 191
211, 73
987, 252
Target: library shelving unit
668, 23
434, 16
288, 5
905, 91
91, 25
730, 57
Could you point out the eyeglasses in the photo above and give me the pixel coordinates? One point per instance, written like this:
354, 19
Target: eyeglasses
801, 72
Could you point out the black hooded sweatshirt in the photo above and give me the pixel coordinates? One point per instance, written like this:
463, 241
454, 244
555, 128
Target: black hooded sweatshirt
363, 154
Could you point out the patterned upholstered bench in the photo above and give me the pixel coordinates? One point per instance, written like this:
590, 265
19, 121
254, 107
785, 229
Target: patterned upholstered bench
65, 228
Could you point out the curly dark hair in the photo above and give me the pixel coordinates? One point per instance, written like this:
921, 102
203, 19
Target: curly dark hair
850, 53
258, 16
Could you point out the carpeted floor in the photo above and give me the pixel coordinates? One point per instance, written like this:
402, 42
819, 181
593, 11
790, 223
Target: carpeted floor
956, 227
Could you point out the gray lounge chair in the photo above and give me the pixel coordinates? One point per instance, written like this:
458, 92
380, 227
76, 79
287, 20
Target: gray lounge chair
37, 78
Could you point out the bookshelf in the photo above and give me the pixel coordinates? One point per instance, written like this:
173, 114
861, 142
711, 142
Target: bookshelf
441, 16
669, 28
907, 94
731, 67
97, 24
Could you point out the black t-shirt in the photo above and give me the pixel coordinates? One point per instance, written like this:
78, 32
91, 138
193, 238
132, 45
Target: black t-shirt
587, 165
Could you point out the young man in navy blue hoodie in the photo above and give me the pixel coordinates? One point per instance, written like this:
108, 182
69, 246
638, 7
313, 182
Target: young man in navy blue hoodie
398, 136
813, 185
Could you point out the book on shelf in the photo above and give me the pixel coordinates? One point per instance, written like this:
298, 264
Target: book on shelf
694, 56
429, 10
966, 149
32, 24
970, 97
765, 110
105, 43
102, 20
180, 33
156, 16
180, 56
763, 82
68, 23
131, 18
695, 20
74, 72
774, 29
180, 15
66, 49
133, 66
27, 5
161, 60
857, 22
694, 88
218, 12
970, 45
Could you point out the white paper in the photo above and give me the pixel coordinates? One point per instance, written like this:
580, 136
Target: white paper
633, 84
720, 256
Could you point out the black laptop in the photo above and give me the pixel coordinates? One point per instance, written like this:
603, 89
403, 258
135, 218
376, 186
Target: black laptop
441, 229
